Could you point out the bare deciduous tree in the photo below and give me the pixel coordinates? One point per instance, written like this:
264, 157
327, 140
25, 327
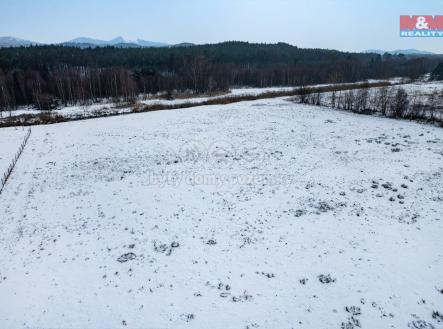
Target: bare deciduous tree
399, 103
383, 100
361, 100
333, 99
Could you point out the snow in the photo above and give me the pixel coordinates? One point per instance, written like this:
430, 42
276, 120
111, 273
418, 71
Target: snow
79, 111
72, 111
233, 92
10, 140
107, 106
258, 91
24, 110
245, 92
417, 92
424, 88
262, 214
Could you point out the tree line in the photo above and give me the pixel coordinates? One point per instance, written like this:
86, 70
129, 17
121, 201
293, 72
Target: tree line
392, 102
53, 76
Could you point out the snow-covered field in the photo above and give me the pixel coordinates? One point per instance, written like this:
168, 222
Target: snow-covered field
10, 140
72, 111
424, 88
263, 214
233, 92
418, 92
107, 106
248, 92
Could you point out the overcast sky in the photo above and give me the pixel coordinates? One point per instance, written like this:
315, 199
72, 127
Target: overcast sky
353, 25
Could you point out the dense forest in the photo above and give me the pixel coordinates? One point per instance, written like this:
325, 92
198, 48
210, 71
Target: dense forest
437, 74
51, 76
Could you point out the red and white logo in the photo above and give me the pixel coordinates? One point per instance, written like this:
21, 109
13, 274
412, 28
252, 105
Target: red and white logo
421, 26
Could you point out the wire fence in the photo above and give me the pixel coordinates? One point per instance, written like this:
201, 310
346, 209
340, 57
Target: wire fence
7, 174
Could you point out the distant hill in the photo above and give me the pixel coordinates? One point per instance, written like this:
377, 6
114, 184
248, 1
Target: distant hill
15, 42
145, 43
118, 42
400, 51
184, 44
86, 42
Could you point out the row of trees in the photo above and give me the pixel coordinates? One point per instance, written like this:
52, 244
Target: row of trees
51, 76
64, 85
388, 101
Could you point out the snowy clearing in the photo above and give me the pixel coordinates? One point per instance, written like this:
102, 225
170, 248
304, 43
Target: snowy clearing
109, 107
263, 214
10, 140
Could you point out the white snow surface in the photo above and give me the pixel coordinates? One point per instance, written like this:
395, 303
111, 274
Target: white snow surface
10, 140
300, 234
233, 92
107, 106
246, 92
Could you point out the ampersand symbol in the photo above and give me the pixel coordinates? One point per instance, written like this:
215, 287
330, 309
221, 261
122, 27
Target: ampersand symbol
421, 23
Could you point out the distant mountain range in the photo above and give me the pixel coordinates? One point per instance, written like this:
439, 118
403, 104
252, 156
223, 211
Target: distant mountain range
116, 42
85, 42
15, 42
400, 51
